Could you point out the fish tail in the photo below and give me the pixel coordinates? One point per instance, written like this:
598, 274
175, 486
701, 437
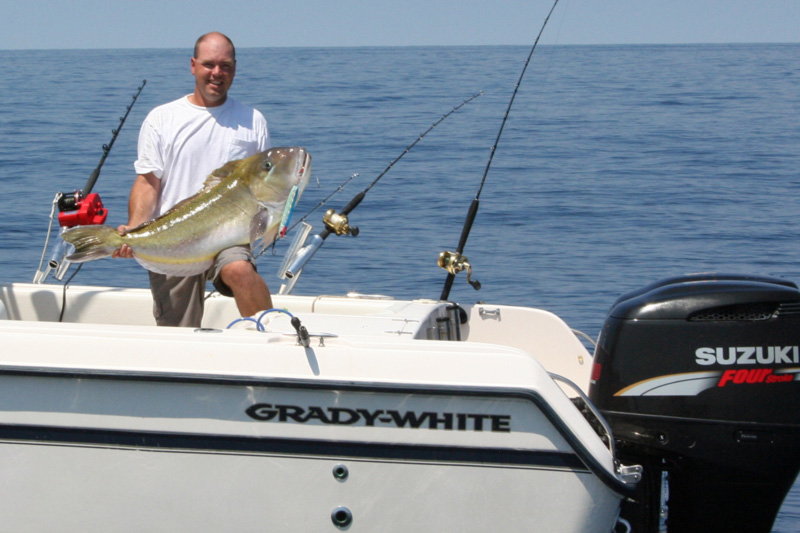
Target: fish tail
92, 242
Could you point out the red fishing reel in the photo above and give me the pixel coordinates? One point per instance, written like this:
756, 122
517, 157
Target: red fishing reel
75, 210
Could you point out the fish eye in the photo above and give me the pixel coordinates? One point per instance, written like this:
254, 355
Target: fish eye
267, 165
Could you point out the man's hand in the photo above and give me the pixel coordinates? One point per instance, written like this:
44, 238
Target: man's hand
124, 250
141, 205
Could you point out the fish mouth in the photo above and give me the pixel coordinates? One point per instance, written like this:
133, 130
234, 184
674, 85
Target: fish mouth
289, 168
302, 170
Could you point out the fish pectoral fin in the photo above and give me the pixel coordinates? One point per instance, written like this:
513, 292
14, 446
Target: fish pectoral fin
260, 230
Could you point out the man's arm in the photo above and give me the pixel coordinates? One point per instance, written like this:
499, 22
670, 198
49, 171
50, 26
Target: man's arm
141, 206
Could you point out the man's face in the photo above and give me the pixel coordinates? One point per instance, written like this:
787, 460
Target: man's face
213, 70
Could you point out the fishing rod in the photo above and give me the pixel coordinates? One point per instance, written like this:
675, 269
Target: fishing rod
70, 203
107, 147
455, 262
79, 208
338, 223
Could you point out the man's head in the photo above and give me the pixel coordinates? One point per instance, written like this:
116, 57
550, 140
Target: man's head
213, 67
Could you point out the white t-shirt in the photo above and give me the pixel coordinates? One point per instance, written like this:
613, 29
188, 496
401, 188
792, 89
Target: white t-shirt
181, 144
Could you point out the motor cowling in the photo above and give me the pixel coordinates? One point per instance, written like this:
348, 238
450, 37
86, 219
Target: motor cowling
699, 378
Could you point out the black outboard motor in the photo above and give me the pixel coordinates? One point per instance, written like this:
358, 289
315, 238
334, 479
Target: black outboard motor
699, 378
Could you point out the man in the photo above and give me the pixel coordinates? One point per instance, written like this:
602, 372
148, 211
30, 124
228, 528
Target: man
180, 143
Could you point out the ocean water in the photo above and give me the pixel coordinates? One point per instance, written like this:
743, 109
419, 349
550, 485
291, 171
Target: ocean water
618, 166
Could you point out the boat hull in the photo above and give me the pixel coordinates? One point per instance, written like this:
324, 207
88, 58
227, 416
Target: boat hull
136, 452
371, 427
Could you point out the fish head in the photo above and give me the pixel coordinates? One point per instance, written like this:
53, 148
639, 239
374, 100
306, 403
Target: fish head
274, 173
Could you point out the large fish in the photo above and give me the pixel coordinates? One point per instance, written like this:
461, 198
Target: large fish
242, 202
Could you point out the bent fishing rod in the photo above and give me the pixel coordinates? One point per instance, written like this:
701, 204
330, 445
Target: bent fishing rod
338, 223
79, 208
455, 262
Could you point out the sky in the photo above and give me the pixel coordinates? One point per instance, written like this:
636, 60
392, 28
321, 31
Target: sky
69, 24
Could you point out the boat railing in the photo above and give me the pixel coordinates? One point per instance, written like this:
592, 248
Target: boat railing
606, 434
630, 474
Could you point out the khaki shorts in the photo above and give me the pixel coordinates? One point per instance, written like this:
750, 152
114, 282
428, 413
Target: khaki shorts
178, 301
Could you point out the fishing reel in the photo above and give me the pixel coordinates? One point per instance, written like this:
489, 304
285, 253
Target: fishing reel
338, 223
300, 252
76, 210
454, 263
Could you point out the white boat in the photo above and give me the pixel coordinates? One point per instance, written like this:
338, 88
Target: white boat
384, 422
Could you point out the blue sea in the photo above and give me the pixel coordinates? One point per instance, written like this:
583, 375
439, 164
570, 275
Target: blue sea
618, 165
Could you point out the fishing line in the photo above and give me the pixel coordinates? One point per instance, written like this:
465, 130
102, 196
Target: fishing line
473, 208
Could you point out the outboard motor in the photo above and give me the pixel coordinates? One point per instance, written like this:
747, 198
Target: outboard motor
699, 378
